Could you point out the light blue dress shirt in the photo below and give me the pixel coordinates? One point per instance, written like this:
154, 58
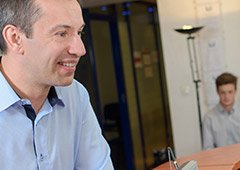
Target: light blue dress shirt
65, 135
221, 128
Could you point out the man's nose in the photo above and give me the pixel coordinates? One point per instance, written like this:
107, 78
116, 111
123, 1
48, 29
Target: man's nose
77, 47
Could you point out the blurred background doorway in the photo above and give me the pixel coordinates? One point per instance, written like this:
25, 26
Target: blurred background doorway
123, 71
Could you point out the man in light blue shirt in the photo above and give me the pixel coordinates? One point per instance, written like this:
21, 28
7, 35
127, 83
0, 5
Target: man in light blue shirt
46, 119
222, 123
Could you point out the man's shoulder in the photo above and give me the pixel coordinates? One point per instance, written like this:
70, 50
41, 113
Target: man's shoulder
214, 111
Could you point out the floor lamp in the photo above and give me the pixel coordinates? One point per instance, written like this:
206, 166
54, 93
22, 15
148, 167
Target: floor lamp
189, 30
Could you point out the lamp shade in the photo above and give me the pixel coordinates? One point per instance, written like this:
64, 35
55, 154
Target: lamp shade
188, 30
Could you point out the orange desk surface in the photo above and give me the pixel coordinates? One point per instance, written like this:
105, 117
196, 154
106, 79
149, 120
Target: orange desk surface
222, 158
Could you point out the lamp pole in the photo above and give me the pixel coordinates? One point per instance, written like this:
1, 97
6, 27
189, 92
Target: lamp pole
189, 30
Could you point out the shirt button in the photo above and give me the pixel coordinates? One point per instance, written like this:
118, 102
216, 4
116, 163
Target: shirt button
42, 157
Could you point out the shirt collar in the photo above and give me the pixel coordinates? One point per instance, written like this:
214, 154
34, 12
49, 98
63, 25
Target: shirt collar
10, 97
53, 97
222, 110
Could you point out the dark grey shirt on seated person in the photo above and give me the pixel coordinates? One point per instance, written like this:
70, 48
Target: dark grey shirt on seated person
221, 128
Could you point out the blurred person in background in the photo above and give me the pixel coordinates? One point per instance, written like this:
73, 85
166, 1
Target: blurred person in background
222, 123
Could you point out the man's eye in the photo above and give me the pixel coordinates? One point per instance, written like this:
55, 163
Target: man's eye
80, 33
61, 34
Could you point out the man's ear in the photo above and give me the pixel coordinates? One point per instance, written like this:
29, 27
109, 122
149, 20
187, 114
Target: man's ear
13, 39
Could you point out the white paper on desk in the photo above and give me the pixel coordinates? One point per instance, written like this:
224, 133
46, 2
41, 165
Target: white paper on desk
190, 165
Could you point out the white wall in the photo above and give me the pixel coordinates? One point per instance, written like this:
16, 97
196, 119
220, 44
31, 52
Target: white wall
181, 89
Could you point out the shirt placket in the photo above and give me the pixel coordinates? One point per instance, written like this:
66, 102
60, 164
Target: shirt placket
39, 140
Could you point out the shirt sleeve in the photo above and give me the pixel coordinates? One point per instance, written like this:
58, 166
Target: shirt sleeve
93, 150
208, 139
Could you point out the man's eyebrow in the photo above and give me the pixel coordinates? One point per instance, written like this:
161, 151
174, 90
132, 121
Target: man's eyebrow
64, 26
58, 27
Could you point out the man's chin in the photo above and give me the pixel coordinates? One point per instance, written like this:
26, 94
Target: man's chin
227, 104
65, 82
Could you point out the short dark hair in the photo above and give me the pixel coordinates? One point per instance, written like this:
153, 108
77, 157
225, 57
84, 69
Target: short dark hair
20, 13
226, 78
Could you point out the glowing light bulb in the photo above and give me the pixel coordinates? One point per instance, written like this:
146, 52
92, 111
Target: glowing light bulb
187, 27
